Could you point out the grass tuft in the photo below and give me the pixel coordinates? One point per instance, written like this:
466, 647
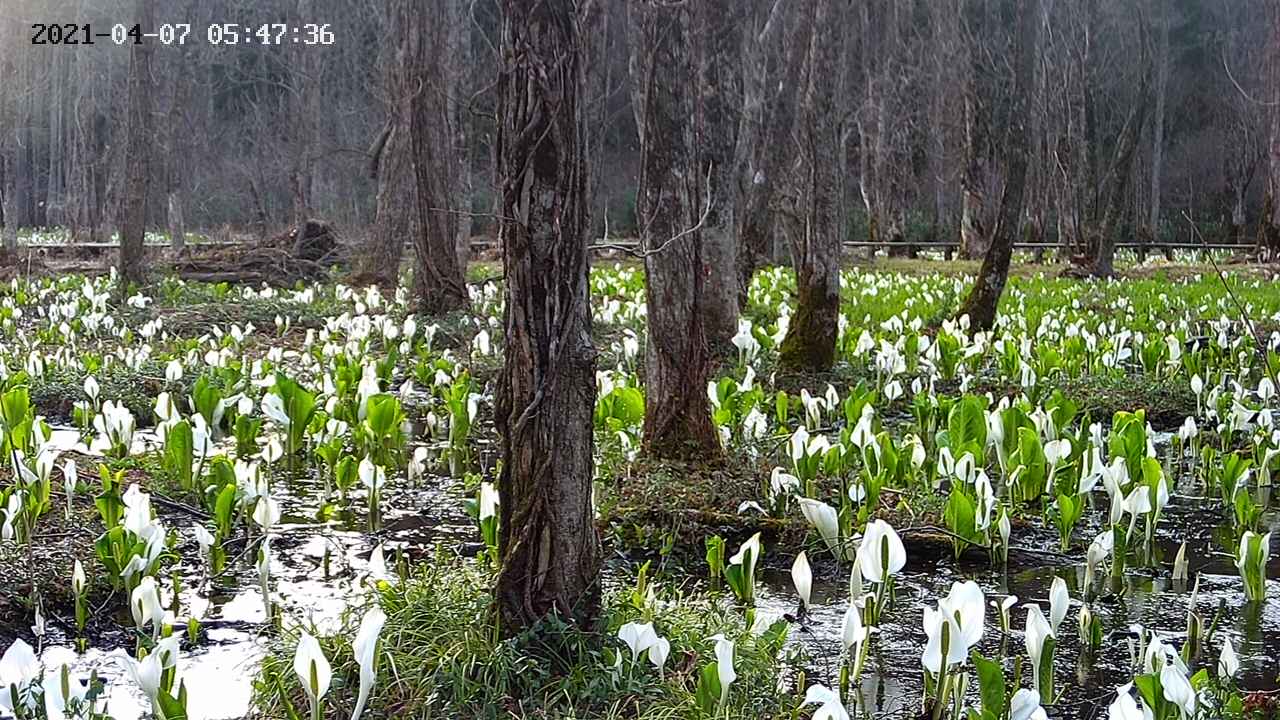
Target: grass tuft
440, 657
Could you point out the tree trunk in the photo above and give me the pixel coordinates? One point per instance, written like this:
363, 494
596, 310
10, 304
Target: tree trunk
438, 277
55, 184
984, 298
304, 114
8, 203
175, 149
137, 179
390, 166
1157, 130
459, 68
978, 184
810, 344
546, 393
1270, 235
718, 43
1119, 174
380, 262
770, 120
670, 206
176, 221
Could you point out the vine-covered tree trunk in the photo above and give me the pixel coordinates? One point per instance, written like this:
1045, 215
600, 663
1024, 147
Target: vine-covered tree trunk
546, 394
810, 343
984, 298
139, 138
718, 107
670, 206
438, 277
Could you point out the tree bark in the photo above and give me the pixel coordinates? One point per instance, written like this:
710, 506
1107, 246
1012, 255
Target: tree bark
1270, 235
670, 204
390, 166
546, 393
380, 262
175, 148
1117, 184
768, 119
8, 204
304, 109
8, 152
137, 180
459, 69
176, 220
719, 106
984, 298
810, 344
1157, 130
438, 277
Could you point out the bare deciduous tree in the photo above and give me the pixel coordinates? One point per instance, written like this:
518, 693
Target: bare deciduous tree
546, 394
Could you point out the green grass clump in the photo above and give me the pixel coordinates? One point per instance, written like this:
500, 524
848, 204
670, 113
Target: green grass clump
440, 656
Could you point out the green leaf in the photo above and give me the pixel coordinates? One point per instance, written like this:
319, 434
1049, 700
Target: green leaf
708, 694
967, 423
1046, 671
991, 685
1150, 691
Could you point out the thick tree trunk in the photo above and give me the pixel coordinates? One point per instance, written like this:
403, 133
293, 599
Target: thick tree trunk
546, 394
670, 203
984, 298
718, 43
810, 344
380, 261
769, 118
137, 180
438, 277
390, 165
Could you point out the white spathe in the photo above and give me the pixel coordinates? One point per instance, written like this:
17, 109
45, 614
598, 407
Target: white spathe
882, 553
365, 649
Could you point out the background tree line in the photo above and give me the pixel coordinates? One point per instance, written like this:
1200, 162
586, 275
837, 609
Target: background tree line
721, 134
1140, 110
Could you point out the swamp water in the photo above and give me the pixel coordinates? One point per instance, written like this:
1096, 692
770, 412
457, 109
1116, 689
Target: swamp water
317, 569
